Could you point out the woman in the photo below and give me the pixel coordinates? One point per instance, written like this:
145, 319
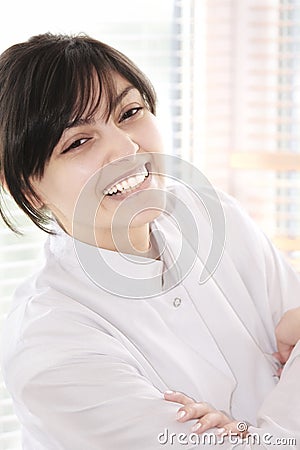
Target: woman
116, 317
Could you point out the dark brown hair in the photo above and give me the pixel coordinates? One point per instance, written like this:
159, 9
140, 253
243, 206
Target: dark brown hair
46, 83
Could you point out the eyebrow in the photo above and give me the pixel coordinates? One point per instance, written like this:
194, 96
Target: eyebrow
90, 120
123, 94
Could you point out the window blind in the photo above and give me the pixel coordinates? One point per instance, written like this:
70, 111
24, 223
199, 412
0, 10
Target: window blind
18, 258
248, 108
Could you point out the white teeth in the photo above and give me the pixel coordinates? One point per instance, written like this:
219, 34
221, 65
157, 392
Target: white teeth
125, 185
140, 178
129, 183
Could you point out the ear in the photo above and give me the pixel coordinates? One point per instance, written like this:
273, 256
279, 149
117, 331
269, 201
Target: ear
35, 202
35, 195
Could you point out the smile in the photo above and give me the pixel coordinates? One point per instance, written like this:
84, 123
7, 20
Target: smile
128, 184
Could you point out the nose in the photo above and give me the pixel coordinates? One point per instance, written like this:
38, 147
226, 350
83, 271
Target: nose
120, 143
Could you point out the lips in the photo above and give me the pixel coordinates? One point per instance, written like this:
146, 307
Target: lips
130, 182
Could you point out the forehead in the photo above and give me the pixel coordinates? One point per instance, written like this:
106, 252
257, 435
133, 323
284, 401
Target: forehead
103, 101
121, 89
119, 82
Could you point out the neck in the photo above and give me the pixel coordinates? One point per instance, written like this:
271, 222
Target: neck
134, 241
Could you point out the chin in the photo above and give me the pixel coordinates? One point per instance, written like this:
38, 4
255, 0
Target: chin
145, 216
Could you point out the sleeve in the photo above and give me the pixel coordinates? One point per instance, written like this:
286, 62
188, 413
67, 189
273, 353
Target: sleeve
75, 387
283, 282
99, 403
273, 284
279, 416
105, 404
274, 287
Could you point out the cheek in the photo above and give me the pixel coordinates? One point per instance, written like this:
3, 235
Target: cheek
61, 187
151, 136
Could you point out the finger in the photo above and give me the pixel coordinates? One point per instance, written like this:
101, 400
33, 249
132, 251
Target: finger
284, 351
239, 428
279, 372
178, 397
211, 420
193, 411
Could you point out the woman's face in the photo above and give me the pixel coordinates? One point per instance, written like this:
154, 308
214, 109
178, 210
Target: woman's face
75, 189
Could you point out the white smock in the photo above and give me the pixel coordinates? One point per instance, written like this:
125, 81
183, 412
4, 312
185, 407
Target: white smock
87, 368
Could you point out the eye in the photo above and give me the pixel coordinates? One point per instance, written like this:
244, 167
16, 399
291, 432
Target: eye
76, 144
130, 113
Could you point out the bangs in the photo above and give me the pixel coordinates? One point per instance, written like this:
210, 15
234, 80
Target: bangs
74, 92
86, 89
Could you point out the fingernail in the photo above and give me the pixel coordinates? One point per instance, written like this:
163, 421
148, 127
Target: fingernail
169, 392
196, 426
180, 415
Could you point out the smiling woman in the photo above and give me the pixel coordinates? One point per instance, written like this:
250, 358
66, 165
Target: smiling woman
93, 141
70, 77
118, 314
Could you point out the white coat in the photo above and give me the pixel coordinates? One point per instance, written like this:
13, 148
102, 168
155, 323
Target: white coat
87, 369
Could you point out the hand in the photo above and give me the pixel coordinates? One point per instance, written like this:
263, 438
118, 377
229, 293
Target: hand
287, 334
209, 416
